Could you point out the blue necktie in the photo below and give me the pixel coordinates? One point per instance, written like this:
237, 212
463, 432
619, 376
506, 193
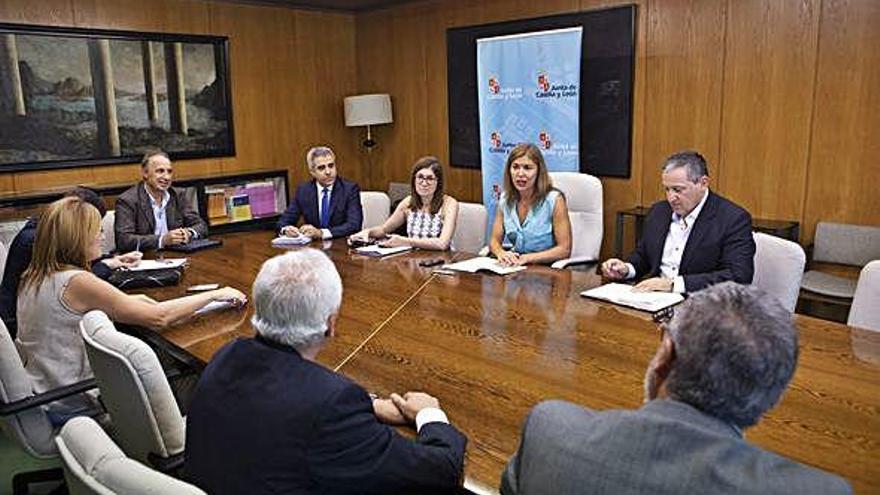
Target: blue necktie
325, 208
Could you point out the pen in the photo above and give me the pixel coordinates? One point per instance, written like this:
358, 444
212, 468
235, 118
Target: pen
138, 247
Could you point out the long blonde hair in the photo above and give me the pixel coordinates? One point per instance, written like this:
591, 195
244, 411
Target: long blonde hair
65, 231
543, 183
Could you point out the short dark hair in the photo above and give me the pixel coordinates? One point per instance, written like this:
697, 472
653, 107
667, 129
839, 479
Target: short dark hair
150, 153
90, 196
694, 163
736, 349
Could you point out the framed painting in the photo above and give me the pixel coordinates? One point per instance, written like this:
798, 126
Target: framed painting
74, 97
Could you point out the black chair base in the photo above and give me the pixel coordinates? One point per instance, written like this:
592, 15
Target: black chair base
21, 481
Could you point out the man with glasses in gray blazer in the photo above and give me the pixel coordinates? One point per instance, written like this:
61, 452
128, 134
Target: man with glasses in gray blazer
725, 358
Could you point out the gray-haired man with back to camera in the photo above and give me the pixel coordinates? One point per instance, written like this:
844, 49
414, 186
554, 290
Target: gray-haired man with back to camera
724, 360
266, 417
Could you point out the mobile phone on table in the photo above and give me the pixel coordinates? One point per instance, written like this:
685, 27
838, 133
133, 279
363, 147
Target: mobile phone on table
428, 263
202, 287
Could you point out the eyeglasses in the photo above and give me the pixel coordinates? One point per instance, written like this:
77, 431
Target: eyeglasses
426, 178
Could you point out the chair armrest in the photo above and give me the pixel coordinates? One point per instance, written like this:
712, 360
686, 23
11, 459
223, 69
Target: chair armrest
577, 260
20, 405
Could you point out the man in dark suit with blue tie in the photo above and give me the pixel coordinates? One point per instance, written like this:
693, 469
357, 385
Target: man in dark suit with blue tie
266, 417
329, 205
692, 240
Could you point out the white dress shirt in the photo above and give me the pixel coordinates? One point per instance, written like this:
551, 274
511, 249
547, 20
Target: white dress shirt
676, 239
159, 214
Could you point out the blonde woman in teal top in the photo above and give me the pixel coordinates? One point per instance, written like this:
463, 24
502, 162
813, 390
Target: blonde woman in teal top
531, 220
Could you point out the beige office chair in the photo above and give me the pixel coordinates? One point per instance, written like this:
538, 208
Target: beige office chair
865, 310
470, 227
107, 226
148, 423
376, 206
24, 420
842, 244
94, 465
779, 267
4, 252
583, 195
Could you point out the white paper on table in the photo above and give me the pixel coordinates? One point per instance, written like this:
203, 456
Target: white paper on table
158, 264
377, 250
283, 240
624, 295
486, 263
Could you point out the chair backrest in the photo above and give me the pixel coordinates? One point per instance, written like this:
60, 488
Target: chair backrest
3, 253
376, 206
94, 465
108, 224
470, 227
30, 428
583, 195
865, 310
134, 390
779, 267
846, 244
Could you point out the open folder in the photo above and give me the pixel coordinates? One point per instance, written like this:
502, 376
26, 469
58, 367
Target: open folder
624, 295
483, 263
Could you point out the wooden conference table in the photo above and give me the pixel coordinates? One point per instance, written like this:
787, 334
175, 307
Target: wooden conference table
492, 347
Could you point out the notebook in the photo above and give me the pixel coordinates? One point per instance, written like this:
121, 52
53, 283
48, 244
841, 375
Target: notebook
624, 295
145, 265
483, 263
379, 251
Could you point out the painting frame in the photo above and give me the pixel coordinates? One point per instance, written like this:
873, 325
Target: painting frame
216, 99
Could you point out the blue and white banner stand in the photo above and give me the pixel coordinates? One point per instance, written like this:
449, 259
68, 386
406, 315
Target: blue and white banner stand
528, 86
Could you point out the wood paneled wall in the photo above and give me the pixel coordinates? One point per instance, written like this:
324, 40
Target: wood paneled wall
290, 70
780, 95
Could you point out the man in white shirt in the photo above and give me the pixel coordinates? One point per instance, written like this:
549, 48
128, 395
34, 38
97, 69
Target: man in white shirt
692, 240
152, 214
330, 206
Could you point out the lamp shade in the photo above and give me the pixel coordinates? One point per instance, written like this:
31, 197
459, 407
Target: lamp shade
363, 110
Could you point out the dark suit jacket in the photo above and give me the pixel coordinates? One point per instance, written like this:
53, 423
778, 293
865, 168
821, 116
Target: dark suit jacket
666, 447
719, 248
346, 214
134, 218
264, 420
19, 257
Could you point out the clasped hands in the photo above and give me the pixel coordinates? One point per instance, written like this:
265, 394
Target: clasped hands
176, 236
512, 258
402, 410
615, 269
126, 260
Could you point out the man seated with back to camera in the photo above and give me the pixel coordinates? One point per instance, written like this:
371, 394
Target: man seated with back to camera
329, 205
267, 418
724, 360
692, 240
21, 251
152, 214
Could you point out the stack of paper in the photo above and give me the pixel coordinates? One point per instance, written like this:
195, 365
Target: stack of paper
158, 264
624, 295
285, 241
379, 251
483, 263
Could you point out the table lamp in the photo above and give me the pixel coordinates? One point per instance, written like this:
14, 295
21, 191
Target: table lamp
368, 110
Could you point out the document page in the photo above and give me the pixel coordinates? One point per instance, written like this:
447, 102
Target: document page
624, 295
474, 265
283, 240
158, 264
377, 250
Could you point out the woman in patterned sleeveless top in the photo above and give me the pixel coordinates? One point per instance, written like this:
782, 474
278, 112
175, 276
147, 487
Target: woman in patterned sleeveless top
429, 214
531, 218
